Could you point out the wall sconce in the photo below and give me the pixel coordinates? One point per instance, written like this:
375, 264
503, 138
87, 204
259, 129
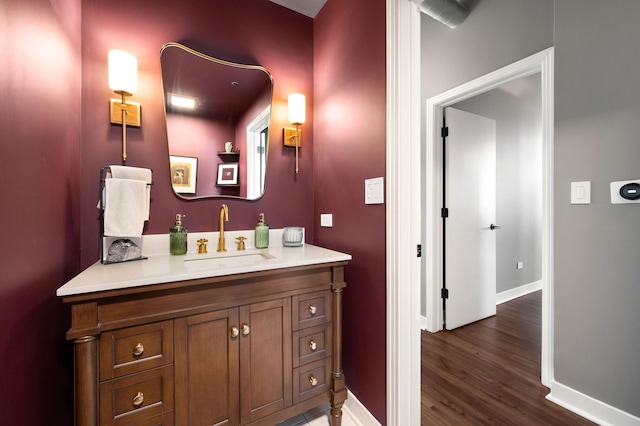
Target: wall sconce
297, 117
123, 79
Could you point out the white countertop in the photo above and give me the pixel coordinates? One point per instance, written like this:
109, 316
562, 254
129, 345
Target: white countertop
164, 268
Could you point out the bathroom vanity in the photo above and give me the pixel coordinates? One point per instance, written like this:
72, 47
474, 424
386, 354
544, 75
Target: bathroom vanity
250, 340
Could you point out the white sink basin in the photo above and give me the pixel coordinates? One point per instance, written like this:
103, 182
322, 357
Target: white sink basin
226, 260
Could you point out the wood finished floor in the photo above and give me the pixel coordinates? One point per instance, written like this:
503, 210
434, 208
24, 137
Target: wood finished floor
488, 372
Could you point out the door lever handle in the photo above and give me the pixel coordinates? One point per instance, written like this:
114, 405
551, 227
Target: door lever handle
492, 227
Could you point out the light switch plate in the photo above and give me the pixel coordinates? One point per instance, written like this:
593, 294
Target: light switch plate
374, 191
581, 192
326, 220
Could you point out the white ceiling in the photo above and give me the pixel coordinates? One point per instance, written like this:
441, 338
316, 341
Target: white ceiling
307, 7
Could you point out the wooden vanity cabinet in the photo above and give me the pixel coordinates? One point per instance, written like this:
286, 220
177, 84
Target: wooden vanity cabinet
243, 352
247, 349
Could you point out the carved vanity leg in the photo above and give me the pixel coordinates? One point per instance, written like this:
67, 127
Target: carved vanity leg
86, 381
337, 399
339, 391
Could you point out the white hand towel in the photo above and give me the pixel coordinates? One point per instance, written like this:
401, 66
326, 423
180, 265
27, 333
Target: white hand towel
125, 209
135, 173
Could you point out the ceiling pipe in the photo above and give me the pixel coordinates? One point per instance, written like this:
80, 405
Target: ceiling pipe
449, 12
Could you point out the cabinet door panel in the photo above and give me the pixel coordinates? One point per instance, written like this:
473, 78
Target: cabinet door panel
206, 369
265, 359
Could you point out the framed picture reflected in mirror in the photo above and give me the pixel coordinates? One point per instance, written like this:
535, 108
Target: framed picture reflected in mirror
227, 174
183, 174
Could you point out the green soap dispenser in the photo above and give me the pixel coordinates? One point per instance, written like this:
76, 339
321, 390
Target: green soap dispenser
262, 233
178, 237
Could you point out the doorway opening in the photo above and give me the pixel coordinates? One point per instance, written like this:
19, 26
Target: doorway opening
541, 63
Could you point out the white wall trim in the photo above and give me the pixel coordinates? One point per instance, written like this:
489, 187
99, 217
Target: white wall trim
541, 62
254, 129
403, 212
423, 323
514, 293
357, 412
590, 408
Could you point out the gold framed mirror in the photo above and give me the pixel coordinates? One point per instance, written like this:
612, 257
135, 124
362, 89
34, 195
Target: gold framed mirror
216, 112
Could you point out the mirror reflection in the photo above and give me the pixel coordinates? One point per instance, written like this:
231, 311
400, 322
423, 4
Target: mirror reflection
217, 115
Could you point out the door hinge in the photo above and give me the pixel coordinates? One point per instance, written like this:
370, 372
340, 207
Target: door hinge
419, 250
444, 212
445, 293
445, 132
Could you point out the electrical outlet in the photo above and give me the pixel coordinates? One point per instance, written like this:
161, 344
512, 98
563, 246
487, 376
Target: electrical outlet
520, 265
326, 220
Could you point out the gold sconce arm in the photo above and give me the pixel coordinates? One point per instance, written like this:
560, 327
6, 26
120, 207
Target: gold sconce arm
292, 137
123, 80
297, 117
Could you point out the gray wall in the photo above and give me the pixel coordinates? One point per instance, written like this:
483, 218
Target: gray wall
516, 106
597, 127
597, 246
496, 33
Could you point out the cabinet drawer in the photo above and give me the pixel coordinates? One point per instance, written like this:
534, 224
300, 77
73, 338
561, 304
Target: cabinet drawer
311, 380
165, 419
311, 309
134, 349
137, 399
312, 344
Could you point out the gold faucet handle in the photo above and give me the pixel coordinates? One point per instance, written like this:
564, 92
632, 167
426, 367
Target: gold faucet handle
202, 245
241, 241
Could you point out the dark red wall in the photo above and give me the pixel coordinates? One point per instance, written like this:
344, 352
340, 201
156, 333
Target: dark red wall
247, 31
56, 136
350, 146
192, 136
39, 154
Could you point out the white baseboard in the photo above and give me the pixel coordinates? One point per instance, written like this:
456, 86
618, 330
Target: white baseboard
590, 408
502, 297
514, 293
358, 412
423, 323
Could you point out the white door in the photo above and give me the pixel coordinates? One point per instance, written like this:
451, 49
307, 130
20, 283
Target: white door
469, 233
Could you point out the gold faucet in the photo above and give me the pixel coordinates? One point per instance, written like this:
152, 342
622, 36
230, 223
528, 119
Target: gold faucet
224, 216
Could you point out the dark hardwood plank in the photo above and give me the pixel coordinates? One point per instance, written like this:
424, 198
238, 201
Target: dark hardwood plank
488, 372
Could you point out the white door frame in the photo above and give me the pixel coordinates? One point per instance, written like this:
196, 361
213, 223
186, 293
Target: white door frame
538, 63
403, 212
254, 130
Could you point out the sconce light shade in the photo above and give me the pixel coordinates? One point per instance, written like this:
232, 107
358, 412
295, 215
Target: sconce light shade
123, 72
297, 114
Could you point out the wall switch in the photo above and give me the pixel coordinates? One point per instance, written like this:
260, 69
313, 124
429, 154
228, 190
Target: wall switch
374, 191
581, 192
326, 220
520, 265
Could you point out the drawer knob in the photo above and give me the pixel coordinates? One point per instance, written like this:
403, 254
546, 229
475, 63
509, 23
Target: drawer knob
245, 330
313, 381
313, 345
313, 310
235, 331
138, 349
138, 399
